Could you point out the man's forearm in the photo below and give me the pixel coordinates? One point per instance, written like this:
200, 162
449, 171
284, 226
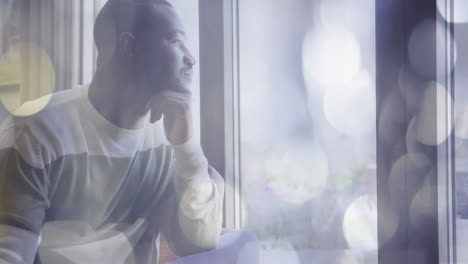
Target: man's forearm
192, 181
200, 192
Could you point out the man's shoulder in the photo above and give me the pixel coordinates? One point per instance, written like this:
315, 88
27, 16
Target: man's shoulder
52, 104
42, 123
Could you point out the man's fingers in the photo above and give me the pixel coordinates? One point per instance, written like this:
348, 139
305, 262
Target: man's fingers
174, 106
169, 103
159, 98
170, 106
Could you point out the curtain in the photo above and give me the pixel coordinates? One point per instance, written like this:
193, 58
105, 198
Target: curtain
46, 46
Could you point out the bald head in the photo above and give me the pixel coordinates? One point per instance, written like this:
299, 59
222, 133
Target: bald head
119, 16
143, 43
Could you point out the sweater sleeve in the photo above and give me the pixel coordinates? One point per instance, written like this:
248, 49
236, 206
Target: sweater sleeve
192, 207
23, 196
24, 181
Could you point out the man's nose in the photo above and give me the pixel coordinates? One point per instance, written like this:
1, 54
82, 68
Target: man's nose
189, 59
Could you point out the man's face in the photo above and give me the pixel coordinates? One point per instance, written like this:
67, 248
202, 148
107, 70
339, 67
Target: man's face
165, 59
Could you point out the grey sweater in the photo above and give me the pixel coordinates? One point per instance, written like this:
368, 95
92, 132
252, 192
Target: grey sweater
74, 188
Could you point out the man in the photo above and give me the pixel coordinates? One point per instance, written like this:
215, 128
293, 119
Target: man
103, 169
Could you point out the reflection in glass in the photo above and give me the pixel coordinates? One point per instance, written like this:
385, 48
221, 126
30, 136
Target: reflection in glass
307, 106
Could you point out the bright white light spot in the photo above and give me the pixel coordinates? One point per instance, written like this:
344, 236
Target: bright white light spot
360, 224
460, 11
297, 174
330, 56
421, 53
433, 109
351, 108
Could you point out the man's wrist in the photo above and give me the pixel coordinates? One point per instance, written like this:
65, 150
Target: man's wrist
188, 148
189, 155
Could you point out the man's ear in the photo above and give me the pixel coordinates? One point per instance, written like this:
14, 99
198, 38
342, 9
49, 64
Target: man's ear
127, 45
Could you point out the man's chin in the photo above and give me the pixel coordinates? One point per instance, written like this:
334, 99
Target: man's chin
182, 90
182, 87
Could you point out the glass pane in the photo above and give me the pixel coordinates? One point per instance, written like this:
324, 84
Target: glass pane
308, 135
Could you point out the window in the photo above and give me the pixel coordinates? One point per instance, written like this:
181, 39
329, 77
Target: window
340, 125
412, 133
297, 124
307, 137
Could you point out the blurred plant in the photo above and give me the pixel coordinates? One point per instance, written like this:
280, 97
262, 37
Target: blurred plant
282, 224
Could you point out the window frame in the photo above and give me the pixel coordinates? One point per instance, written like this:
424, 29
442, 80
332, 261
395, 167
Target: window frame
219, 121
220, 137
447, 212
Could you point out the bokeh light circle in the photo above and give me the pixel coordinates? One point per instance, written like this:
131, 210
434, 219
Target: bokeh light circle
351, 109
26, 75
331, 56
297, 174
402, 173
460, 11
435, 102
360, 224
421, 207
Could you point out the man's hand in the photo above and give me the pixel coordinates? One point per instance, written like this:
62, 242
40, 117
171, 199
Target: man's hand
177, 110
